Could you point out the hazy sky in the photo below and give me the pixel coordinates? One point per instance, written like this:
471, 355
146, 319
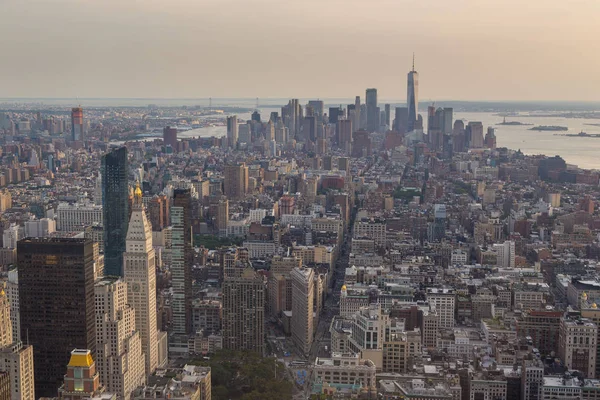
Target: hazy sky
465, 49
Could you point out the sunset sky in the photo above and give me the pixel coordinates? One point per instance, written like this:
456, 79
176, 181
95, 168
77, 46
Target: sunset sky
465, 49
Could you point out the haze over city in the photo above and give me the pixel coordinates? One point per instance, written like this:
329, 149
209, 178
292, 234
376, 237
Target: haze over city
467, 50
299, 200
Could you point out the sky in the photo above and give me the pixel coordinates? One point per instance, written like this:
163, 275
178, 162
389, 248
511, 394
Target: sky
465, 49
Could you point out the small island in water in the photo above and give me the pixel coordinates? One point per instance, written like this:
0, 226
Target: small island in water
505, 122
549, 128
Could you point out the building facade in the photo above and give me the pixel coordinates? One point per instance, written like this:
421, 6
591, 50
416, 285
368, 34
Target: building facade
140, 275
56, 301
115, 197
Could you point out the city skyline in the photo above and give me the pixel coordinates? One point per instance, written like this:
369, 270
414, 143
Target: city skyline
185, 49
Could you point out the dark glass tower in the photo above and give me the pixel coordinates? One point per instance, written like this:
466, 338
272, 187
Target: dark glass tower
372, 113
115, 203
56, 301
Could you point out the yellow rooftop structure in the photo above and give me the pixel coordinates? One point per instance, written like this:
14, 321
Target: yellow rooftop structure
81, 358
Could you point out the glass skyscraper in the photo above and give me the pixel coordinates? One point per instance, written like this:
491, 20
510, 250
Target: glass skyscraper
115, 203
412, 98
372, 112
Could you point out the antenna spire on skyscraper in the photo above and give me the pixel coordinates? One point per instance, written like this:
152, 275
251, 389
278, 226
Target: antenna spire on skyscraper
413, 62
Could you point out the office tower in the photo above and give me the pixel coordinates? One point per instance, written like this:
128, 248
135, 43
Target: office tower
302, 308
291, 114
158, 210
334, 114
236, 181
170, 137
270, 131
577, 345
446, 126
344, 134
412, 98
255, 116
98, 190
280, 284
118, 342
388, 115
490, 138
444, 301
459, 138
356, 123
431, 120
361, 144
372, 113
12, 292
244, 312
232, 131
139, 271
474, 135
115, 195
281, 134
181, 262
77, 124
81, 381
56, 295
309, 129
222, 217
401, 120
15, 358
318, 107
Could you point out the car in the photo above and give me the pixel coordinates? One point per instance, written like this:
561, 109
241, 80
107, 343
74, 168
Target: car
286, 354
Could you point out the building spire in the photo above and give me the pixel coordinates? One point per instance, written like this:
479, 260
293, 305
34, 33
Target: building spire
413, 69
138, 194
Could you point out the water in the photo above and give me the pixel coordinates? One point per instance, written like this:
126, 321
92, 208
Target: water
581, 151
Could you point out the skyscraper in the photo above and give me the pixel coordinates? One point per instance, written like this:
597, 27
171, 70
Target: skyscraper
309, 129
244, 312
115, 202
446, 125
291, 114
77, 124
372, 112
388, 115
236, 181
401, 120
318, 106
412, 97
15, 358
12, 291
474, 135
56, 294
344, 134
181, 261
302, 308
118, 343
232, 131
140, 276
357, 121
170, 137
